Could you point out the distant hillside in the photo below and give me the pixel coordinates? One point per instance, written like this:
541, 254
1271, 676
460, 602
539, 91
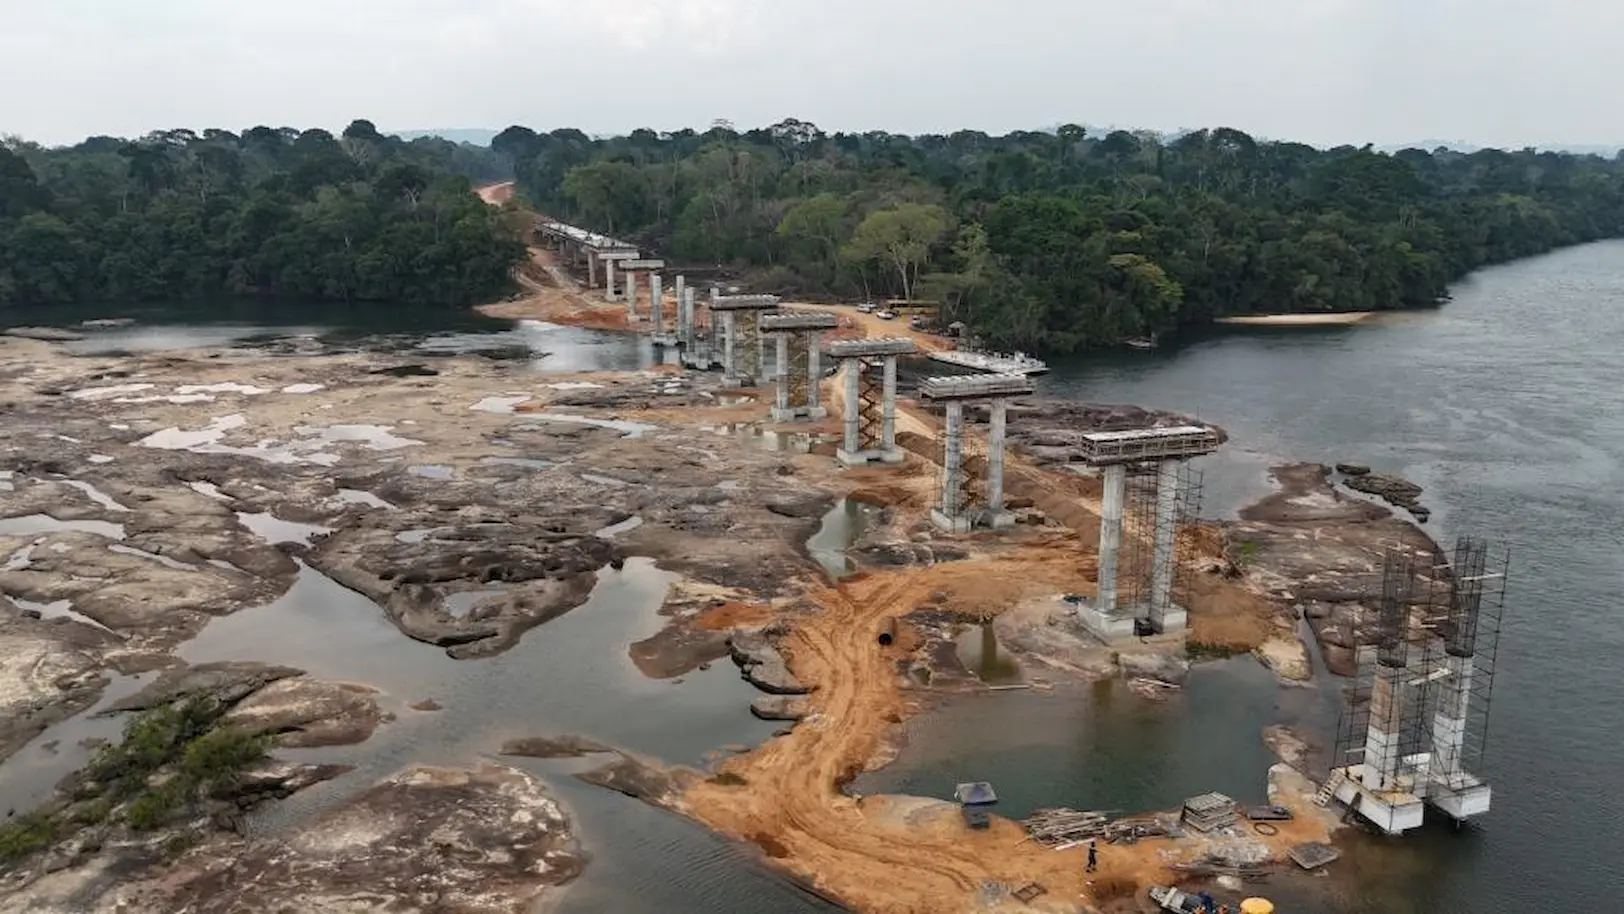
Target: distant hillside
478, 136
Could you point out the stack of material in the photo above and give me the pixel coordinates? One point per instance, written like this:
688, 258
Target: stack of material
1313, 855
1064, 827
1127, 831
1217, 866
1209, 811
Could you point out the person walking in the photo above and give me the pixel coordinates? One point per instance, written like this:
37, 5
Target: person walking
1093, 856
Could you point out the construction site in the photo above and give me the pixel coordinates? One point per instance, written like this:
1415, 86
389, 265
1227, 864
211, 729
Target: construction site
906, 631
1113, 553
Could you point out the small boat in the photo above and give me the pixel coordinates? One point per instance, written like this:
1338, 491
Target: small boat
1171, 899
1141, 342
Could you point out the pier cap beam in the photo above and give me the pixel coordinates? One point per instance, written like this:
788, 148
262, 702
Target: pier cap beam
744, 302
791, 321
975, 387
642, 264
872, 348
1178, 442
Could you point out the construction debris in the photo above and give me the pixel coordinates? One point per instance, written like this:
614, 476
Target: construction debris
1029, 891
1313, 855
1063, 828
1268, 813
1220, 866
1209, 812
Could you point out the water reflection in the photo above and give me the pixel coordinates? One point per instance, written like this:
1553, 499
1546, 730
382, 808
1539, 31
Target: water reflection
979, 652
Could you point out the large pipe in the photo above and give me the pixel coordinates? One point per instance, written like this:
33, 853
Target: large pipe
1116, 489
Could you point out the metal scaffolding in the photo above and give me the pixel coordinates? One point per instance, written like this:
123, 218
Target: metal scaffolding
1434, 610
1140, 564
799, 366
747, 343
871, 403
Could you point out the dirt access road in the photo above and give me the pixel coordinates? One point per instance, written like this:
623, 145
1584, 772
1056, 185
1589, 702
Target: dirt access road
881, 854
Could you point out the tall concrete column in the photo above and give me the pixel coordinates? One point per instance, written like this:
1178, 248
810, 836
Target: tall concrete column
814, 376
682, 321
631, 295
1380, 770
852, 414
783, 373
1116, 490
888, 406
688, 318
952, 453
1449, 722
609, 280
655, 303
591, 269
760, 368
1162, 559
730, 369
995, 460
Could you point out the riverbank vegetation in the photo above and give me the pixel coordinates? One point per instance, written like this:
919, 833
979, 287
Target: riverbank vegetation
171, 758
181, 215
1064, 240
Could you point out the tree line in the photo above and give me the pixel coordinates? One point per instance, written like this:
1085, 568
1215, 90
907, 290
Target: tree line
1062, 240
271, 211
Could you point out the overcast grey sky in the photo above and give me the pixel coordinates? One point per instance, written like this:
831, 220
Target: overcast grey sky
1493, 72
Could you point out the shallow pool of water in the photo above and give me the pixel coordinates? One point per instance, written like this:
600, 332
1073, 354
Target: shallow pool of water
981, 654
36, 524
275, 530
1096, 747
841, 527
28, 776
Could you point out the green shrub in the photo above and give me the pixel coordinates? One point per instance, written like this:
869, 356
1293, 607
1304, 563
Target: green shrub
26, 834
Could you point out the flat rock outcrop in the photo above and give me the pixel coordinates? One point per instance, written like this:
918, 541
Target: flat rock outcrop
780, 707
761, 664
427, 840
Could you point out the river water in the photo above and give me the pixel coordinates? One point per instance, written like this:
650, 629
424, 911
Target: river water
1505, 404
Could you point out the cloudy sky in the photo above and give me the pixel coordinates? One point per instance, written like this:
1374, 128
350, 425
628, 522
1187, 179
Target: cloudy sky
1491, 72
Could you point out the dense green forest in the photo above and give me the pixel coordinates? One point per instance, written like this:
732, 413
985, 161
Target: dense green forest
175, 214
1059, 240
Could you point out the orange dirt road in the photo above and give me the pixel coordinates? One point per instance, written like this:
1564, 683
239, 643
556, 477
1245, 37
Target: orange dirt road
785, 796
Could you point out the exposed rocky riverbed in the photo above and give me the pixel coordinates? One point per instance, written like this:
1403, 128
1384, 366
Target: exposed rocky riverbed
146, 498
1321, 552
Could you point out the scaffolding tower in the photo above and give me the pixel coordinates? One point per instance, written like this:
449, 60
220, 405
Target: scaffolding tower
870, 400
1414, 722
1142, 564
